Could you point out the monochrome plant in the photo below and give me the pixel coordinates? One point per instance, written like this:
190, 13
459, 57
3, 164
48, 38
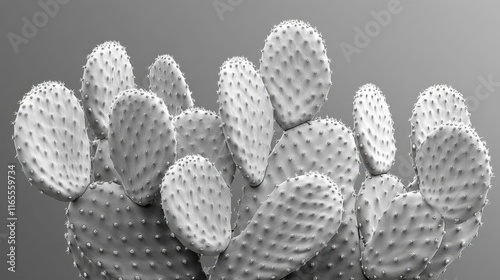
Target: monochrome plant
151, 193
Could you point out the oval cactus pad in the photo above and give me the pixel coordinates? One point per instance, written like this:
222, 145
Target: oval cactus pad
407, 237
454, 171
374, 130
51, 141
197, 205
375, 196
168, 82
295, 222
247, 116
142, 142
435, 106
296, 72
107, 72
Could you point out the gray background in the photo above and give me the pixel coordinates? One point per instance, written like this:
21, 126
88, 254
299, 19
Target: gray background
428, 42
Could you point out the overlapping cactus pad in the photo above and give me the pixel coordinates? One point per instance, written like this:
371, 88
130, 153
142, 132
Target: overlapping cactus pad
153, 193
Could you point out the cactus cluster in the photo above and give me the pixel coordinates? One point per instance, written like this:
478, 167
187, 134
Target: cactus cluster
152, 192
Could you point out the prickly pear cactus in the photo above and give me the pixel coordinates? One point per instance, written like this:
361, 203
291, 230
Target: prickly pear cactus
152, 194
296, 72
107, 72
197, 205
141, 141
168, 82
51, 141
124, 240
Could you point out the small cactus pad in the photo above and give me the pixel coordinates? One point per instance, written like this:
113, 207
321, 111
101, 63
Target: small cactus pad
197, 205
247, 116
323, 145
295, 222
339, 259
51, 141
127, 241
437, 105
142, 142
296, 72
408, 235
199, 131
373, 127
454, 171
457, 238
107, 72
103, 167
87, 269
168, 82
375, 196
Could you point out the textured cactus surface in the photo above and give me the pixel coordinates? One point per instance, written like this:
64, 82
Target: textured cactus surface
141, 141
168, 82
127, 241
152, 195
373, 128
247, 117
296, 71
293, 224
324, 145
340, 259
455, 240
197, 205
374, 197
456, 165
418, 228
435, 106
87, 269
51, 141
102, 165
107, 72
199, 132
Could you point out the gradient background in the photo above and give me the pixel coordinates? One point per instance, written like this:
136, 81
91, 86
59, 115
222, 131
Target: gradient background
429, 42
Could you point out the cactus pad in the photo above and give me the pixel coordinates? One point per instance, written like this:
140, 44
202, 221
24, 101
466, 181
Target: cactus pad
296, 72
375, 196
197, 205
199, 131
435, 106
339, 260
142, 142
106, 74
457, 238
323, 145
454, 170
51, 141
127, 241
103, 167
295, 222
407, 237
374, 131
168, 82
247, 117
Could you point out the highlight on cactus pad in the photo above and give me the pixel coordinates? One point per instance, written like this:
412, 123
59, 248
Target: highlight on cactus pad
150, 191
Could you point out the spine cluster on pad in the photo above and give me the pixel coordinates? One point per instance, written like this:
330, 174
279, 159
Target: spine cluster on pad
152, 193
